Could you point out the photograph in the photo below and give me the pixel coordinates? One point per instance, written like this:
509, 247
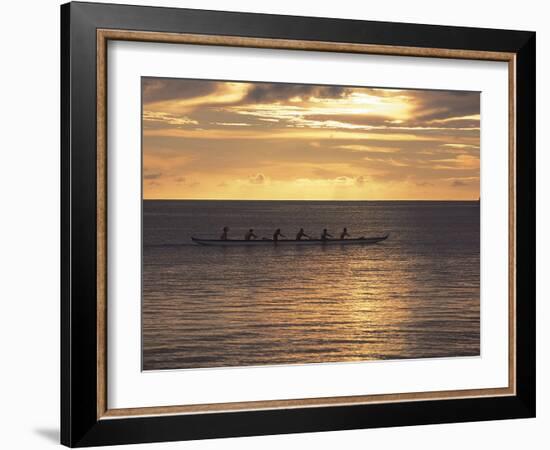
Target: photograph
282, 221
288, 223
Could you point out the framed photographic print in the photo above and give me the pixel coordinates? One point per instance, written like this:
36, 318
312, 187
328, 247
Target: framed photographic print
276, 224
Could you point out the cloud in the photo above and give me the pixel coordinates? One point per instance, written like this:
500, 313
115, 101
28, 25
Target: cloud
460, 146
259, 178
352, 117
460, 162
339, 181
459, 183
368, 148
180, 180
437, 105
273, 110
167, 119
272, 92
424, 184
342, 179
233, 124
161, 89
360, 180
152, 175
324, 172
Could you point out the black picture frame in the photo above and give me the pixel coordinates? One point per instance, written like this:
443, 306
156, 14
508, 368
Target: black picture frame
80, 425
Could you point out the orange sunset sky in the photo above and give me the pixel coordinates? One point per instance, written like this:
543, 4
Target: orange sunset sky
276, 141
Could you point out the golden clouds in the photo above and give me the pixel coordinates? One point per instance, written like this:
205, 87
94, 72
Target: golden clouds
291, 141
285, 133
167, 118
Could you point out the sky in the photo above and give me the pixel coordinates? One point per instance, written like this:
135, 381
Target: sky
205, 139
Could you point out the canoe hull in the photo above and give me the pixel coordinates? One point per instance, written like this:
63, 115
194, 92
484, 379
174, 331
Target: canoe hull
287, 242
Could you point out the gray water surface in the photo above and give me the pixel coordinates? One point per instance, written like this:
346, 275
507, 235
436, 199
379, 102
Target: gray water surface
415, 295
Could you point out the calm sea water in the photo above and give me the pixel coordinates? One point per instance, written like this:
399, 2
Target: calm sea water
415, 295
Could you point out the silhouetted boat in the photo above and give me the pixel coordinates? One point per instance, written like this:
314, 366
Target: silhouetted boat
264, 242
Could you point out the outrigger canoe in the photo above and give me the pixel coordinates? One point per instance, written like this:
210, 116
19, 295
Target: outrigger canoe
267, 242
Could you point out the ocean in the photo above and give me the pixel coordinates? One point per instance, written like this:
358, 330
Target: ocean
415, 295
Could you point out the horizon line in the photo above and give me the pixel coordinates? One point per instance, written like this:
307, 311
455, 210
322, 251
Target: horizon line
308, 200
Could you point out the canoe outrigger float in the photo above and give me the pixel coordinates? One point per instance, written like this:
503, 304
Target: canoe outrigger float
259, 242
